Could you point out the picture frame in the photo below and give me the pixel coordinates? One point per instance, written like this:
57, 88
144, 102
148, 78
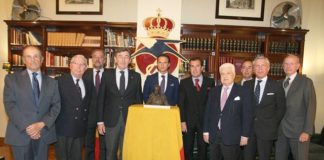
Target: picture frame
79, 7
240, 9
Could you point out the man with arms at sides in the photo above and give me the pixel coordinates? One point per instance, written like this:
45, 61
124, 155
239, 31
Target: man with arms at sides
298, 122
72, 122
228, 117
168, 83
120, 88
32, 103
93, 76
269, 105
247, 71
193, 94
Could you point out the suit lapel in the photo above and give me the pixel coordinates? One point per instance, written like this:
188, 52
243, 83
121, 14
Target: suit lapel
230, 96
294, 85
43, 88
266, 90
114, 82
27, 86
130, 79
218, 98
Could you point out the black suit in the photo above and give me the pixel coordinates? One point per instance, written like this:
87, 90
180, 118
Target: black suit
92, 121
192, 108
71, 123
267, 116
113, 107
235, 121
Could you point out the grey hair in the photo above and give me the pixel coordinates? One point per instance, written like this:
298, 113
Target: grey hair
227, 65
85, 60
258, 57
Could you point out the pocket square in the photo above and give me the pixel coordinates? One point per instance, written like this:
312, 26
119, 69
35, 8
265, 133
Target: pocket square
172, 84
237, 98
270, 94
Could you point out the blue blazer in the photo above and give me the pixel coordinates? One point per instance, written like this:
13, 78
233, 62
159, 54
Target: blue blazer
236, 117
171, 91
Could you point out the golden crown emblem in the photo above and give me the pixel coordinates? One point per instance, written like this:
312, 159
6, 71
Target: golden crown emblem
158, 27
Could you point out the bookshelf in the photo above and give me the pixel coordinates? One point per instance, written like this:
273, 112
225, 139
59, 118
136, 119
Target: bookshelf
60, 40
214, 44
234, 44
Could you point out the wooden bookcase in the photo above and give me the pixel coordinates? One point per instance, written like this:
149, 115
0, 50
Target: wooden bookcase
214, 44
60, 40
234, 44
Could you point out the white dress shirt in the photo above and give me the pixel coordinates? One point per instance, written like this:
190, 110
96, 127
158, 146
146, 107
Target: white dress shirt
166, 80
81, 84
118, 74
200, 80
262, 86
95, 73
39, 78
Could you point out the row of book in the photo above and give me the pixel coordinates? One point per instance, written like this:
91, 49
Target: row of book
119, 39
19, 37
59, 60
239, 45
72, 39
276, 69
17, 60
198, 43
284, 47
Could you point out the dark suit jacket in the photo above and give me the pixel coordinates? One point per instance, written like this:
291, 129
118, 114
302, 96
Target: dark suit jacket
23, 111
236, 117
111, 101
93, 109
72, 121
269, 112
171, 91
301, 107
192, 104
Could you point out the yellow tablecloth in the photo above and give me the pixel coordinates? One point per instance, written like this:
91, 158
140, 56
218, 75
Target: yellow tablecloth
153, 134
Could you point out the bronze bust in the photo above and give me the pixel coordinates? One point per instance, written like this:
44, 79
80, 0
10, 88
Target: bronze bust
157, 98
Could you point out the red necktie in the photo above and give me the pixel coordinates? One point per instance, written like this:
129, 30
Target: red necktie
197, 85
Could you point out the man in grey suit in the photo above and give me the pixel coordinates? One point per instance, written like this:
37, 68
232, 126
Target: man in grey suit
32, 103
297, 124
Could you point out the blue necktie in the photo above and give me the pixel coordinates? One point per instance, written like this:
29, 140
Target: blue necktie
257, 91
36, 90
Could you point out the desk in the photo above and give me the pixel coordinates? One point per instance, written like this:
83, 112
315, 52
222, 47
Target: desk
153, 134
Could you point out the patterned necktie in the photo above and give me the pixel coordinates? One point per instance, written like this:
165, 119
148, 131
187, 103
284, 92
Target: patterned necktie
286, 83
197, 85
97, 81
36, 90
122, 82
223, 101
78, 87
257, 91
162, 85
224, 98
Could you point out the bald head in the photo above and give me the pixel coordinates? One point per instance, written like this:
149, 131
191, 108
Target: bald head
291, 64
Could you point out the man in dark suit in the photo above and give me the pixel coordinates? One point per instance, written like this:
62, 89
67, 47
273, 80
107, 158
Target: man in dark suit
120, 88
193, 94
32, 103
269, 105
72, 122
93, 76
228, 117
298, 123
168, 83
247, 71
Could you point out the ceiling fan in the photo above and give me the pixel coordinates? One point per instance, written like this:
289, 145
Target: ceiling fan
286, 15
